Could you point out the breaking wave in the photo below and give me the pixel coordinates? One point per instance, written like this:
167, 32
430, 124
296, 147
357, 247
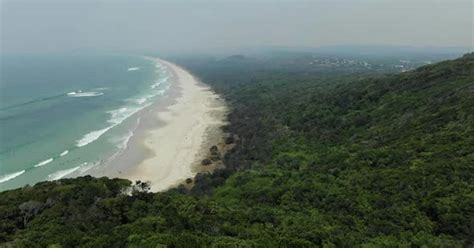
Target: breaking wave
84, 94
62, 173
47, 161
141, 100
117, 116
81, 170
159, 82
10, 176
90, 137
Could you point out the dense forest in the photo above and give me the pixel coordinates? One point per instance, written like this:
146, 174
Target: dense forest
323, 158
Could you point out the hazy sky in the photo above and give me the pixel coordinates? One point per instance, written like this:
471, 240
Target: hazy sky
193, 25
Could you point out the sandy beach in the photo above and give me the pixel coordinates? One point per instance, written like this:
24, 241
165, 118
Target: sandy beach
173, 135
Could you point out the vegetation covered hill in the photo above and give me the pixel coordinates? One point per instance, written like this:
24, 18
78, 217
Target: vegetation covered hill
322, 160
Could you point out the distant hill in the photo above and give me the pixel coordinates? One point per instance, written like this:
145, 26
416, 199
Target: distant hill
321, 160
376, 50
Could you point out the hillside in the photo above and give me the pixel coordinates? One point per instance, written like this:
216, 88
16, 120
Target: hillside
322, 160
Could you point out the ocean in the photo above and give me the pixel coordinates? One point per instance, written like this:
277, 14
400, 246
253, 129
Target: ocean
63, 114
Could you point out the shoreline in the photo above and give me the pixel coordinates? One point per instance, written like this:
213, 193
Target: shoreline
172, 135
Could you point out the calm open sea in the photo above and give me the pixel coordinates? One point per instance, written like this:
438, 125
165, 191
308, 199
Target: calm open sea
60, 115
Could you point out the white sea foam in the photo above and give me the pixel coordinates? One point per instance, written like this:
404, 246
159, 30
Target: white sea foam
64, 153
117, 117
84, 94
122, 141
133, 68
47, 161
10, 176
159, 82
84, 168
81, 169
153, 93
159, 66
90, 137
121, 114
141, 100
62, 173
117, 113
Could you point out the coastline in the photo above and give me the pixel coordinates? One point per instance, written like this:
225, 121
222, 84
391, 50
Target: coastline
172, 135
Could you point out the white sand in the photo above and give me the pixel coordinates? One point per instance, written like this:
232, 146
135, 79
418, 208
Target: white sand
177, 144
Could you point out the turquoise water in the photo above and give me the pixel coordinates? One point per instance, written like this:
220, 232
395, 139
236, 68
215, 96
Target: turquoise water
60, 115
